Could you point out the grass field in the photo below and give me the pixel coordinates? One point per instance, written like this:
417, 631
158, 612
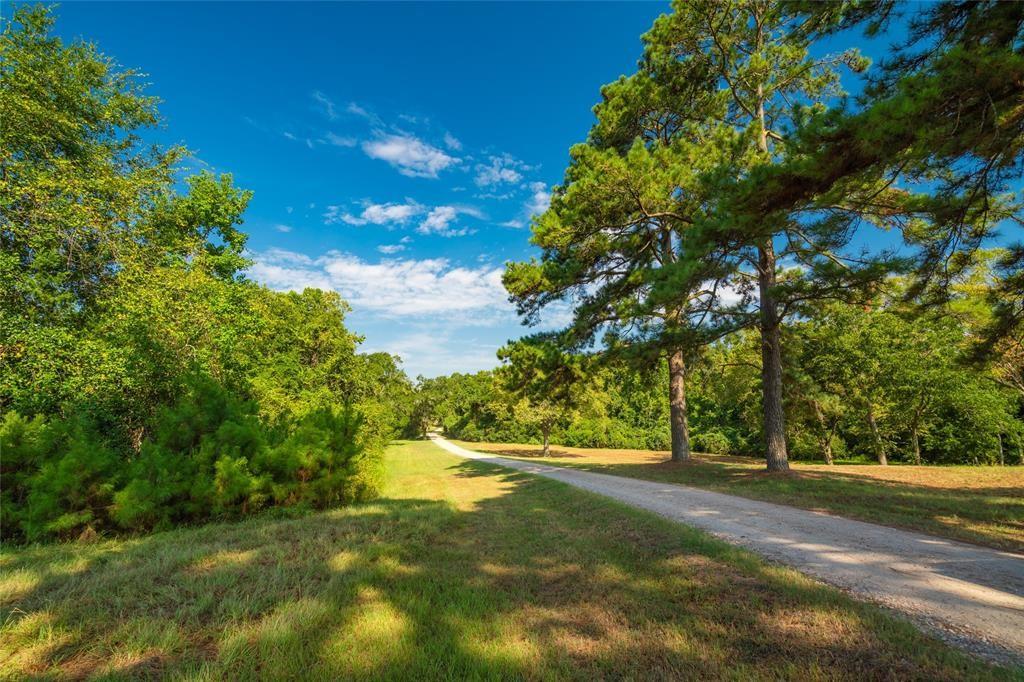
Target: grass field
984, 505
461, 571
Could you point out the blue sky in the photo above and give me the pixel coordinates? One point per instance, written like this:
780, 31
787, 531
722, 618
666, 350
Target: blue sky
395, 150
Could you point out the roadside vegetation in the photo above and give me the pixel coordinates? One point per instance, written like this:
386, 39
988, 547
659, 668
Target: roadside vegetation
979, 505
460, 570
145, 382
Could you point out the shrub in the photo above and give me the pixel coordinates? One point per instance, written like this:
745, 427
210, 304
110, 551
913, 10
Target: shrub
74, 484
322, 462
24, 444
712, 441
208, 455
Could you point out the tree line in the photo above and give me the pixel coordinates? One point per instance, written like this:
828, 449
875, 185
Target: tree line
144, 381
731, 192
871, 383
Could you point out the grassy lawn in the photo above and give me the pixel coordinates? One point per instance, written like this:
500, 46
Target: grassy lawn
984, 505
461, 571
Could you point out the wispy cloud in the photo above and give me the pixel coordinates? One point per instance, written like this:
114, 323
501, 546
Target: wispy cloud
452, 142
362, 112
326, 105
408, 154
295, 138
283, 228
340, 141
389, 249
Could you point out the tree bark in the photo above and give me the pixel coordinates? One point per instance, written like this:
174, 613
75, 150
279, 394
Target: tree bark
546, 432
771, 363
915, 427
826, 432
879, 445
677, 407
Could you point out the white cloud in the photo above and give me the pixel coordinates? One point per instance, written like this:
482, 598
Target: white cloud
339, 141
326, 104
539, 200
376, 214
392, 288
410, 155
501, 169
389, 249
513, 224
381, 214
452, 142
438, 220
431, 351
283, 228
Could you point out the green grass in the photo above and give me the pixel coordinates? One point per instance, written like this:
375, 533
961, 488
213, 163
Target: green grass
983, 505
461, 571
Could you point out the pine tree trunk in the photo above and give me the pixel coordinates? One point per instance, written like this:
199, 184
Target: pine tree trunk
547, 444
915, 427
879, 445
771, 364
677, 407
826, 438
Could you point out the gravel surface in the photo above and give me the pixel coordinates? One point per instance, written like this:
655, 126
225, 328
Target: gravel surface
970, 596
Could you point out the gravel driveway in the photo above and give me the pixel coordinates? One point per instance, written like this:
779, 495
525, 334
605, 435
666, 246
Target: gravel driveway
969, 595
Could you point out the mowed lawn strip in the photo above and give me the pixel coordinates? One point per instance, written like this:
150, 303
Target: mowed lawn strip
984, 505
462, 570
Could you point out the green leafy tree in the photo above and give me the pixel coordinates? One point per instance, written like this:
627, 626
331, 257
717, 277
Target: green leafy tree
543, 384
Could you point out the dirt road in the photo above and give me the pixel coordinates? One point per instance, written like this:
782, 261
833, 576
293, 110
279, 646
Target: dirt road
972, 596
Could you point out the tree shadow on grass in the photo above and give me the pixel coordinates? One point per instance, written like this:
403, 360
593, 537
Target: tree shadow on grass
530, 453
534, 580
